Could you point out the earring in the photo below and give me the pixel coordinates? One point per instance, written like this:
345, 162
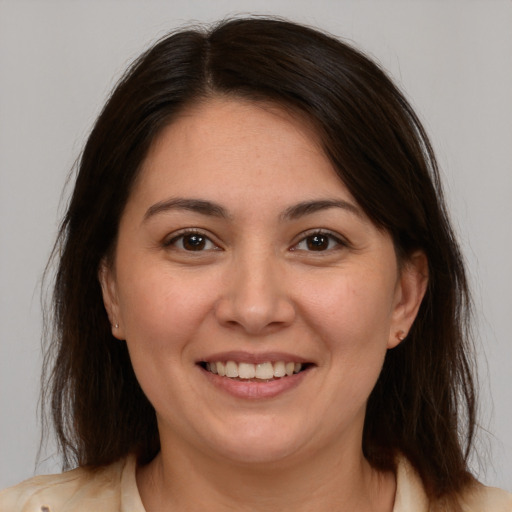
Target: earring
116, 326
401, 335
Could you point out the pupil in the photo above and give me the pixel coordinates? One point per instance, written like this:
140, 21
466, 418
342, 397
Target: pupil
317, 242
194, 242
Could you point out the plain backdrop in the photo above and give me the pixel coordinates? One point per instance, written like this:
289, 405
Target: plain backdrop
58, 61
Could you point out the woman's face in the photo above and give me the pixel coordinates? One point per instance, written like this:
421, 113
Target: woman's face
241, 251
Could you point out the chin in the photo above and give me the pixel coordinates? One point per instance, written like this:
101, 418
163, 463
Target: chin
261, 445
263, 454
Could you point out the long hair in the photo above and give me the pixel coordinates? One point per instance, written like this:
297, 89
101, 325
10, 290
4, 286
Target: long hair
423, 405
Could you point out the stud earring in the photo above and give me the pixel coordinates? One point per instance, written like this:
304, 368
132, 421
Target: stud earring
401, 335
116, 326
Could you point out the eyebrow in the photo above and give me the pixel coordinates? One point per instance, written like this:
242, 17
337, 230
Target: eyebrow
212, 209
195, 205
310, 207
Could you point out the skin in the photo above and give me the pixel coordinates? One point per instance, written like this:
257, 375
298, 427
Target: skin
257, 286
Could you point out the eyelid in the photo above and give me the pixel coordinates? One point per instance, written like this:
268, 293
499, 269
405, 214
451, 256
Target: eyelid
339, 239
172, 238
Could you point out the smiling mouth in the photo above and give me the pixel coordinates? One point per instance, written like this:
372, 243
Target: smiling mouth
259, 372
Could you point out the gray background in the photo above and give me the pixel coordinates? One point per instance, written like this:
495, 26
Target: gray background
59, 59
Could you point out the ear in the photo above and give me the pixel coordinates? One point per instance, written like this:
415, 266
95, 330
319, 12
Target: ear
107, 279
410, 290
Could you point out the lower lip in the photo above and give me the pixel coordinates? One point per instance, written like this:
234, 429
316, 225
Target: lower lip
256, 390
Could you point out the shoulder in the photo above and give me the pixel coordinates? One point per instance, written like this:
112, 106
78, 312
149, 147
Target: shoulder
489, 499
78, 490
411, 495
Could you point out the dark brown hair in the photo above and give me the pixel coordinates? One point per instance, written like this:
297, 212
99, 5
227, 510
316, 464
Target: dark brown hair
423, 403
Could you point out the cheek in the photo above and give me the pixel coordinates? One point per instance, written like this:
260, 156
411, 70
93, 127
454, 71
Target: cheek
352, 317
163, 310
350, 307
163, 316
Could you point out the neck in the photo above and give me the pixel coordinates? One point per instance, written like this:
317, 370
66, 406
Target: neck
328, 481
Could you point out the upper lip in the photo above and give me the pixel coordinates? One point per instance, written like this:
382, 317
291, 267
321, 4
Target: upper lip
239, 356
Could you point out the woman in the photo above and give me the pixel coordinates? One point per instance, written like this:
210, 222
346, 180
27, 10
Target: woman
260, 304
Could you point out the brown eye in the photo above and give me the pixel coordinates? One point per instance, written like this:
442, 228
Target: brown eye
320, 241
191, 242
317, 242
194, 242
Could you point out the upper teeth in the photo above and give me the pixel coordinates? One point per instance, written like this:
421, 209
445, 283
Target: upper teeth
264, 371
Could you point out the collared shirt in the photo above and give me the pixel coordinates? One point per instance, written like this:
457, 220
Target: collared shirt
114, 489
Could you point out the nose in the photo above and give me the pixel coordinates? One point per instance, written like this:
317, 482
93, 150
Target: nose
256, 296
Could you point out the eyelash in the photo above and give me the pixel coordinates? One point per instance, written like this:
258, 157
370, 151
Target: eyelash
305, 237
331, 237
182, 235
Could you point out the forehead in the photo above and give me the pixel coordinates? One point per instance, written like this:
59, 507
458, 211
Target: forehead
221, 144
